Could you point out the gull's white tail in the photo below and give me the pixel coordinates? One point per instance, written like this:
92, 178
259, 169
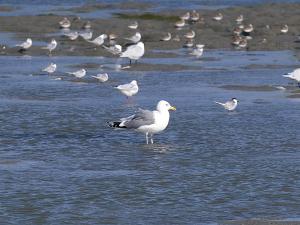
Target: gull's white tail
220, 103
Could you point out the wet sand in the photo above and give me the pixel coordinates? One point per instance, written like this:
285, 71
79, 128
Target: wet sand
215, 35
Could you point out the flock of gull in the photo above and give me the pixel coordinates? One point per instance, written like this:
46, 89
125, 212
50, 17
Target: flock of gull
146, 121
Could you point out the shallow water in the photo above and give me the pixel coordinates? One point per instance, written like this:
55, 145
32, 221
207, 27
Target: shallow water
60, 163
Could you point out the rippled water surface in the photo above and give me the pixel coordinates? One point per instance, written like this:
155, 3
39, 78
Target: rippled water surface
61, 164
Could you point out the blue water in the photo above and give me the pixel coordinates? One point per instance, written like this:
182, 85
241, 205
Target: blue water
61, 164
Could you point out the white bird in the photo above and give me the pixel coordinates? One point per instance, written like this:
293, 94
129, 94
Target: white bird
86, 35
134, 52
25, 45
295, 75
284, 29
99, 40
146, 121
218, 17
72, 35
166, 37
135, 38
115, 49
65, 23
79, 73
50, 68
133, 25
190, 35
51, 46
129, 89
229, 105
101, 77
198, 51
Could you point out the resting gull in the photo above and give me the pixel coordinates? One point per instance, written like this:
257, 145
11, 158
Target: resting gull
146, 121
229, 105
129, 89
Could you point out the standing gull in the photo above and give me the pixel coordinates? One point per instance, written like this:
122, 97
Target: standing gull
146, 121
129, 89
79, 73
50, 68
134, 52
51, 46
229, 105
25, 45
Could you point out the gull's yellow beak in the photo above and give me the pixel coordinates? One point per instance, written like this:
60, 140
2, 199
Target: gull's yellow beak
172, 108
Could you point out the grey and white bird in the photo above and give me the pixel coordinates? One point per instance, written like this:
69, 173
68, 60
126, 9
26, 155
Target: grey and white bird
295, 75
79, 73
129, 89
239, 19
134, 52
167, 37
134, 25
102, 77
190, 35
198, 51
25, 45
229, 105
115, 49
179, 24
284, 29
98, 41
146, 121
86, 35
72, 35
218, 17
51, 46
50, 68
135, 38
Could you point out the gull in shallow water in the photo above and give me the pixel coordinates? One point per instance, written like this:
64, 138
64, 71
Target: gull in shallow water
25, 45
166, 37
129, 89
99, 40
134, 25
79, 73
146, 121
50, 68
198, 51
135, 38
101, 77
295, 75
51, 46
134, 52
229, 105
72, 35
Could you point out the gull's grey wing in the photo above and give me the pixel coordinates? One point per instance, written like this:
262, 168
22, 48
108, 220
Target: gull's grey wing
141, 118
126, 86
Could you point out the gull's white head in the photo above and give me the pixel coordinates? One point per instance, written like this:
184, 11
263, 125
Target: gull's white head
141, 44
164, 106
29, 40
234, 100
134, 82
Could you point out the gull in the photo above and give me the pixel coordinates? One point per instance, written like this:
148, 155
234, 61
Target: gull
50, 68
129, 89
99, 40
25, 45
190, 35
87, 25
101, 77
65, 23
115, 49
179, 24
284, 29
146, 121
134, 52
166, 37
295, 75
133, 25
79, 73
239, 19
229, 105
51, 46
185, 16
198, 51
218, 17
194, 16
86, 35
135, 38
72, 35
